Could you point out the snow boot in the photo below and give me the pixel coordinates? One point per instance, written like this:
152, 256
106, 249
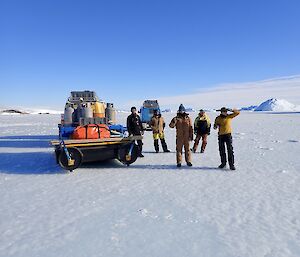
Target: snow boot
222, 165
232, 167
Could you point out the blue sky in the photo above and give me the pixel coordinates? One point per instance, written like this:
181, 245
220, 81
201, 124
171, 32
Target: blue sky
142, 49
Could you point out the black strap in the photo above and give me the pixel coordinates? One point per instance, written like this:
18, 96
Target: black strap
86, 131
98, 130
94, 125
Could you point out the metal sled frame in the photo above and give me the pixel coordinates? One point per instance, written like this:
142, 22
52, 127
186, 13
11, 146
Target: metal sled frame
70, 154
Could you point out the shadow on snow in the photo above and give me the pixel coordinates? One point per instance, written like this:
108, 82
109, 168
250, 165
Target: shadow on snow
34, 141
29, 163
44, 163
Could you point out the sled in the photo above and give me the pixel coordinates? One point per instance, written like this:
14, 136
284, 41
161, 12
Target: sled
71, 153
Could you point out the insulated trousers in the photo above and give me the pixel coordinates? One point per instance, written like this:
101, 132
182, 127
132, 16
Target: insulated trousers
180, 143
226, 139
204, 142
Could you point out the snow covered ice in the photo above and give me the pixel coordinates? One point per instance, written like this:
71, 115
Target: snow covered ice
152, 208
279, 105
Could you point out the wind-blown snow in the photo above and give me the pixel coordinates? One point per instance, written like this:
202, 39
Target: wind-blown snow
234, 94
152, 208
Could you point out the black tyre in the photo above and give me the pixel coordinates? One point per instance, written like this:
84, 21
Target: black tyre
75, 155
125, 157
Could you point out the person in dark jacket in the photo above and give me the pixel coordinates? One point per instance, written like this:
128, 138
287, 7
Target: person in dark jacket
202, 130
135, 128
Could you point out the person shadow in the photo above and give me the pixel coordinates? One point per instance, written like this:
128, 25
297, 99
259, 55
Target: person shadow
170, 167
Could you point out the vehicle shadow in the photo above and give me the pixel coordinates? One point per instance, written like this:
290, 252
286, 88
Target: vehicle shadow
35, 141
29, 163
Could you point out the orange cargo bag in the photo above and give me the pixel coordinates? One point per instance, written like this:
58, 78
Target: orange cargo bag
91, 131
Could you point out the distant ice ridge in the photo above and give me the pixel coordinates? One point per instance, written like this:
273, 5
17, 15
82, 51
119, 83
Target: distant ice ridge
277, 105
166, 110
123, 111
44, 111
21, 111
249, 108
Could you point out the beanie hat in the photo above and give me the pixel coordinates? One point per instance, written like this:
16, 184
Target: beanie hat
181, 109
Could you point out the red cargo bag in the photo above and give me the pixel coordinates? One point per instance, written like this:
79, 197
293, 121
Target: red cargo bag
91, 131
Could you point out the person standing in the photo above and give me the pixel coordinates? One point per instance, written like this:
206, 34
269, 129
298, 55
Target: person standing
223, 123
135, 128
184, 134
202, 130
158, 124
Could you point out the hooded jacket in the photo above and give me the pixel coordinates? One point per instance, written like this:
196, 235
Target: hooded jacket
157, 124
184, 127
202, 124
134, 124
224, 123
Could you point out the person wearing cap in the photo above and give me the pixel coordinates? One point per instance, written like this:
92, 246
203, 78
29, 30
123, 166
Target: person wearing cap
134, 127
223, 123
184, 134
202, 130
158, 124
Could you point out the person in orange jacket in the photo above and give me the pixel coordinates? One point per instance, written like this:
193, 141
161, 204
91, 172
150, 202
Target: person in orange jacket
184, 134
223, 122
